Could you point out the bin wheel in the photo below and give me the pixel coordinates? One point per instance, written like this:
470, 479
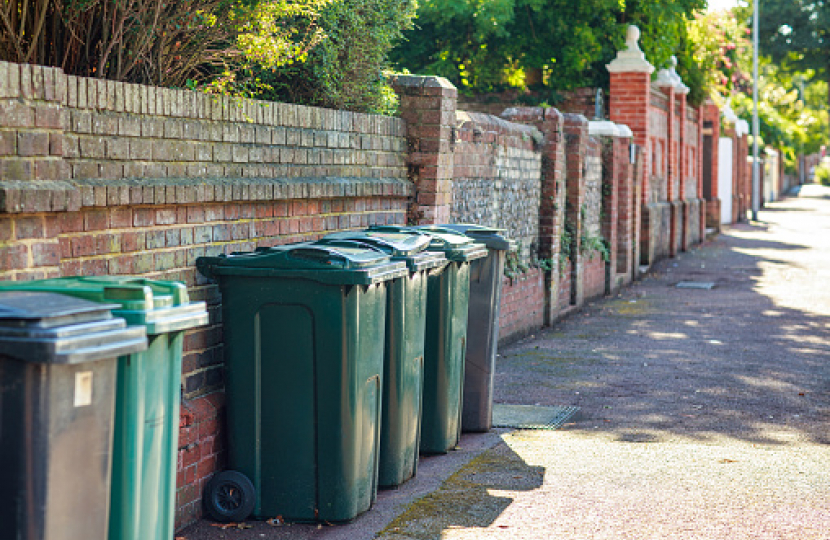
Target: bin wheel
229, 496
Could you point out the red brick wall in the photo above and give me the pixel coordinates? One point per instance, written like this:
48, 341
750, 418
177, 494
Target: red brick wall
660, 150
428, 106
565, 280
582, 101
522, 308
594, 276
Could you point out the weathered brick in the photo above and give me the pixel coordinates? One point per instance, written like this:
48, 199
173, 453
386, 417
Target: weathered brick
48, 116
32, 143
17, 169
133, 241
8, 143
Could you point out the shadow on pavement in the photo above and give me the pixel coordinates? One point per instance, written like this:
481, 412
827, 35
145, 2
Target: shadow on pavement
469, 499
658, 362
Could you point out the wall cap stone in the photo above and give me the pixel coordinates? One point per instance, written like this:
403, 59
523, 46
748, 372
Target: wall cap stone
668, 78
632, 59
422, 81
604, 128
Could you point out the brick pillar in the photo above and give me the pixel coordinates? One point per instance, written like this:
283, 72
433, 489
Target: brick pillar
699, 166
428, 106
674, 175
745, 169
738, 172
552, 205
628, 227
630, 97
670, 84
683, 169
576, 148
710, 130
617, 202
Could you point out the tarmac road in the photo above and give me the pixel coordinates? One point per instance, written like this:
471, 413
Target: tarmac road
705, 414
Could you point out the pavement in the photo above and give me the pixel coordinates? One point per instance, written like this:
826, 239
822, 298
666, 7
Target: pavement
705, 414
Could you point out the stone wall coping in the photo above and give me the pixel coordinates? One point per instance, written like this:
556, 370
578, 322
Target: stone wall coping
469, 120
45, 196
606, 128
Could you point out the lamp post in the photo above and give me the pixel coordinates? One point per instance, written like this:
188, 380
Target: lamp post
756, 173
801, 163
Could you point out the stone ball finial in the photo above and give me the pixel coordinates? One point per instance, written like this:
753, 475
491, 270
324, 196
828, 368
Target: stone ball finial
632, 38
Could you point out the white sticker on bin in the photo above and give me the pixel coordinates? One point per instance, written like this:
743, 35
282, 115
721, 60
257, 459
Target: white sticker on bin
83, 388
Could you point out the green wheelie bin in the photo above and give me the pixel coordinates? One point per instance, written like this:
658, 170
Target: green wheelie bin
304, 339
448, 293
403, 363
147, 399
483, 324
57, 398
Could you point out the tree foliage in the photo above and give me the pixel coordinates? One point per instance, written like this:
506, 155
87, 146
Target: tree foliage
344, 46
485, 45
790, 120
715, 53
146, 41
796, 33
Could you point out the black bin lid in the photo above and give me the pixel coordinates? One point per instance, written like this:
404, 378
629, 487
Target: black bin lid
54, 328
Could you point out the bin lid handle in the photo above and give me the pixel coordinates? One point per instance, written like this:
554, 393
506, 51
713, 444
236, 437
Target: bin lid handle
331, 258
349, 243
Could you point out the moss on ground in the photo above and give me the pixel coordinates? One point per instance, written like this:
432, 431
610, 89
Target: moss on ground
464, 499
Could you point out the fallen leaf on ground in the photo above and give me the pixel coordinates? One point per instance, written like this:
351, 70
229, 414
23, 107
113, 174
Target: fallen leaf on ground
226, 526
728, 461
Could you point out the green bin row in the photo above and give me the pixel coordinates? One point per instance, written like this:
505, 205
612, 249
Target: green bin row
345, 359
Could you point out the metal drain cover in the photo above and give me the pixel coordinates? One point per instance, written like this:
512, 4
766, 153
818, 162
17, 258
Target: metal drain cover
531, 416
708, 285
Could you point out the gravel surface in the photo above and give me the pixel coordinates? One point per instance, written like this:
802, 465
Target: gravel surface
705, 414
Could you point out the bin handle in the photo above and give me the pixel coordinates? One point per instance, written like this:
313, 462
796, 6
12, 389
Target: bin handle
349, 243
322, 256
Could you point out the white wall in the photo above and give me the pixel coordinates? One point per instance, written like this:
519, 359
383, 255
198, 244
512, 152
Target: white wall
725, 179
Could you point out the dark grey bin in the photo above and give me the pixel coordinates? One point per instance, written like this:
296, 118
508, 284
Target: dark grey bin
57, 388
483, 323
